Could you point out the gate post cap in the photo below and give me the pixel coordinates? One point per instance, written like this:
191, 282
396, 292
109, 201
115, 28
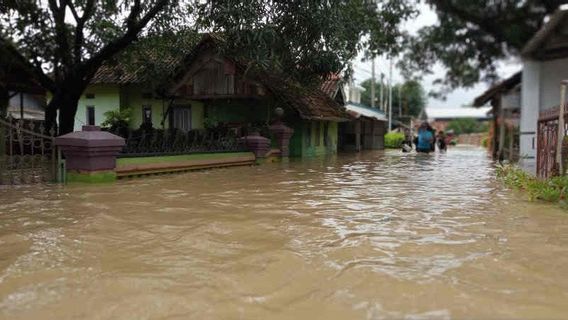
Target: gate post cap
90, 128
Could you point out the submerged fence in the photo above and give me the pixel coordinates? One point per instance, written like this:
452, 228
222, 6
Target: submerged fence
156, 142
28, 154
547, 141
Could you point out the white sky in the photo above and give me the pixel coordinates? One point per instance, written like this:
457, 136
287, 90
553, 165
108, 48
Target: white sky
457, 98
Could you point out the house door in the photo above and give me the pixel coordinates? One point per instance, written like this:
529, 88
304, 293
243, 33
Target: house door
181, 118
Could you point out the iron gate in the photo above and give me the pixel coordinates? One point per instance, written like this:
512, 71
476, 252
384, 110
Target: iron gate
547, 139
28, 154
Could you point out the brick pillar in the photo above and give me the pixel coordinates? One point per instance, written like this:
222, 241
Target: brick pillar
282, 134
90, 154
257, 144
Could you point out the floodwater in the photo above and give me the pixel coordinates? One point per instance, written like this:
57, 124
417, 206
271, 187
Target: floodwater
374, 236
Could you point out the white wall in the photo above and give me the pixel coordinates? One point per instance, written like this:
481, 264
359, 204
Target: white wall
106, 98
511, 100
552, 72
540, 91
530, 104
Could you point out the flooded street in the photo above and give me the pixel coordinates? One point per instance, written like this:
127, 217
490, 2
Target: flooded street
371, 236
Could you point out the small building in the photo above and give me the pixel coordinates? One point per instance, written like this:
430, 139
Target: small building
26, 98
439, 118
545, 65
505, 101
204, 88
367, 127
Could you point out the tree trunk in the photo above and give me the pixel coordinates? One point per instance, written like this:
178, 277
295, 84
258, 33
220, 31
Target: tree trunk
4, 100
66, 103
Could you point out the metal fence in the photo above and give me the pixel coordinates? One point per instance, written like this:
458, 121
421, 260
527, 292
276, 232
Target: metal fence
172, 142
28, 154
547, 140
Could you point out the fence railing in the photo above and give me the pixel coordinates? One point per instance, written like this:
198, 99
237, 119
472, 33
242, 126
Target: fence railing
547, 140
156, 142
27, 153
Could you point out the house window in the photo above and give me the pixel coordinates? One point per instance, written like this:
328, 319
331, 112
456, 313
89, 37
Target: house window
147, 114
318, 133
91, 115
181, 118
90, 95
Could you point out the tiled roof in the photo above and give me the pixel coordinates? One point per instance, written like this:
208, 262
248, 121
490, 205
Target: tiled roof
310, 103
135, 73
330, 85
313, 104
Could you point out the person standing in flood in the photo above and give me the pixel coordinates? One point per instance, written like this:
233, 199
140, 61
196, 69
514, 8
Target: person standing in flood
441, 140
425, 139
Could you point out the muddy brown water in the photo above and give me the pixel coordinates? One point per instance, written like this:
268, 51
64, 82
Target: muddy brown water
374, 236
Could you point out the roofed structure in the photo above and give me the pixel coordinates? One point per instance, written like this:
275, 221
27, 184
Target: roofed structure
456, 113
496, 90
184, 70
551, 41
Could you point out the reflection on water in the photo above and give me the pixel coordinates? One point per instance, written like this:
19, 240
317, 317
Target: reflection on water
372, 236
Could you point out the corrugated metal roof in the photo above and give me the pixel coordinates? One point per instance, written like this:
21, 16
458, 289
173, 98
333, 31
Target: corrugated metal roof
501, 87
434, 113
361, 110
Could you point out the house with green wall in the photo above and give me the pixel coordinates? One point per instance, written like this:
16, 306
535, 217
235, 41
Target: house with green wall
203, 88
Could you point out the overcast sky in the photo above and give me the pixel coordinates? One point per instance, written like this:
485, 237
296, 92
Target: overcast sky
459, 97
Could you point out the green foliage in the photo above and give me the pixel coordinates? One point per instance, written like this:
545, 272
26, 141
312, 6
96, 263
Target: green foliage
550, 190
305, 39
394, 140
466, 125
116, 120
412, 95
485, 142
472, 37
64, 43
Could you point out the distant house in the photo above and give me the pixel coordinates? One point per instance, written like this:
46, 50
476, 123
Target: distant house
367, 129
545, 65
505, 101
439, 118
27, 99
205, 88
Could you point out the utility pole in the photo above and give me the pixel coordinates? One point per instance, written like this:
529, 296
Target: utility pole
400, 100
381, 95
390, 96
373, 82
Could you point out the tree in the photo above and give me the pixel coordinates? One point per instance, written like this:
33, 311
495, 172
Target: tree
62, 43
411, 92
471, 37
306, 39
466, 125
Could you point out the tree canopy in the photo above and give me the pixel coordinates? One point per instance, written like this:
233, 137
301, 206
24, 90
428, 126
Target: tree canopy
471, 37
62, 43
466, 125
412, 98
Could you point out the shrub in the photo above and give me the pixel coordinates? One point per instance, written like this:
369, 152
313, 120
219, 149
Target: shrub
117, 120
394, 140
550, 190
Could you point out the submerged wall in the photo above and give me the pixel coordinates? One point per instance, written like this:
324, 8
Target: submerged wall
311, 139
136, 166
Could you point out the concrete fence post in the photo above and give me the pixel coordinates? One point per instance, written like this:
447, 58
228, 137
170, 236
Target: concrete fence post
90, 154
282, 135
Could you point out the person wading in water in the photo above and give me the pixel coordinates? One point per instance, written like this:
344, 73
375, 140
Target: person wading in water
425, 139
